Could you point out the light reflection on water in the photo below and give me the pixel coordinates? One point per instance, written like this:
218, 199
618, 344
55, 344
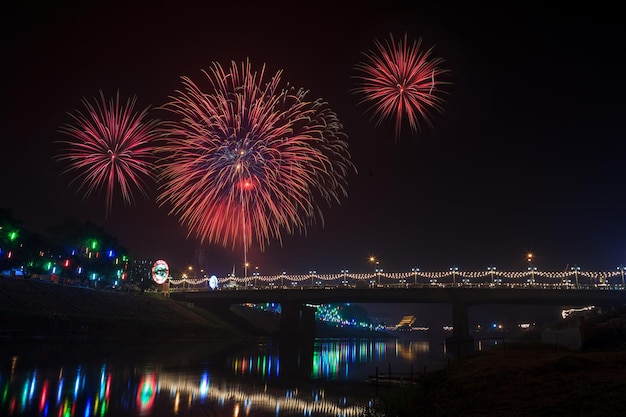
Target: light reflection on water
321, 378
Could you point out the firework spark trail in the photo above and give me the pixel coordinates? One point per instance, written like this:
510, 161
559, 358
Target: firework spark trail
401, 81
110, 147
250, 154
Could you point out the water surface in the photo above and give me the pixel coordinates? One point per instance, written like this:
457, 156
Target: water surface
325, 377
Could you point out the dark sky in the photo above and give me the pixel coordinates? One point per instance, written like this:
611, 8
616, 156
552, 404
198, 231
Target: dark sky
529, 154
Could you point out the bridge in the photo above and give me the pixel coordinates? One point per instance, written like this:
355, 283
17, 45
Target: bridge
298, 293
574, 277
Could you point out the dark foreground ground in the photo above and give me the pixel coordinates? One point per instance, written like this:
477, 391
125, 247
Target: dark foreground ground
521, 380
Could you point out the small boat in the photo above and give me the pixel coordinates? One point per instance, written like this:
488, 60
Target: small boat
392, 379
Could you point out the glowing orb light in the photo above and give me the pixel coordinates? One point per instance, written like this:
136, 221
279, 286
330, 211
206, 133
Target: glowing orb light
213, 282
160, 271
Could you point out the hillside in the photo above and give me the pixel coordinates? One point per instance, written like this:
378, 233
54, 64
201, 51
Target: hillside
38, 309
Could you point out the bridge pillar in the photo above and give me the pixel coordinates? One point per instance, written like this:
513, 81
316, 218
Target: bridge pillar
297, 321
461, 341
296, 357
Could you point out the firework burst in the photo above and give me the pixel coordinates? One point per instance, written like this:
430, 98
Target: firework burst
111, 147
400, 80
250, 159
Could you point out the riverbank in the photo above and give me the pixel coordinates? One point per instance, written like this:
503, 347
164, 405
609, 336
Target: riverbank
519, 380
33, 309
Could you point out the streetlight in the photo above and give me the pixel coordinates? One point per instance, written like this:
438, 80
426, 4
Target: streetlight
492, 271
529, 258
575, 270
378, 272
344, 281
281, 279
622, 268
415, 271
454, 269
374, 262
532, 270
312, 273
255, 274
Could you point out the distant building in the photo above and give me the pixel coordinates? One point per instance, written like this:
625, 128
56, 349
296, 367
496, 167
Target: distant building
407, 321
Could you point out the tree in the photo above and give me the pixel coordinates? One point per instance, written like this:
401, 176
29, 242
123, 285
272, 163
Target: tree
89, 254
11, 233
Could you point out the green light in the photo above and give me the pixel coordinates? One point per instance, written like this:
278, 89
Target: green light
12, 236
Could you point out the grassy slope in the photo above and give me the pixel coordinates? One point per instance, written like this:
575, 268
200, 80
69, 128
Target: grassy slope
522, 380
40, 309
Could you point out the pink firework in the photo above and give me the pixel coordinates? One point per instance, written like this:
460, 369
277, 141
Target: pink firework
401, 81
249, 159
110, 148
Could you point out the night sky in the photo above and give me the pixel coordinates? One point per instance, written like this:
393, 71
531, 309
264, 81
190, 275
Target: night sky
528, 156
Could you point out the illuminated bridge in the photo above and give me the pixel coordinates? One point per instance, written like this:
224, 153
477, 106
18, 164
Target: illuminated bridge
296, 293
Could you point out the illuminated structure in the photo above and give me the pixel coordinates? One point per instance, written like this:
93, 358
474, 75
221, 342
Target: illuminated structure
406, 321
491, 277
160, 271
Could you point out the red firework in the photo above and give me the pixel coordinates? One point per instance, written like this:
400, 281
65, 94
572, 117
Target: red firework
111, 147
401, 81
250, 159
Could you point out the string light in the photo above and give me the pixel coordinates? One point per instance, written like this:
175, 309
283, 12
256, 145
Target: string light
478, 278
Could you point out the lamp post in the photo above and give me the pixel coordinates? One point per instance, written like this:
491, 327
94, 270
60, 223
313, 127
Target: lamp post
532, 270
415, 271
529, 258
374, 263
255, 274
492, 270
575, 270
454, 270
312, 273
344, 280
378, 272
189, 275
282, 277
622, 268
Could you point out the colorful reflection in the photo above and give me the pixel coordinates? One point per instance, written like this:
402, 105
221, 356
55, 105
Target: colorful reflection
146, 393
101, 389
236, 385
46, 393
263, 365
334, 359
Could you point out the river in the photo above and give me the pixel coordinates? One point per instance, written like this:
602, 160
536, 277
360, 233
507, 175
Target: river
324, 377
